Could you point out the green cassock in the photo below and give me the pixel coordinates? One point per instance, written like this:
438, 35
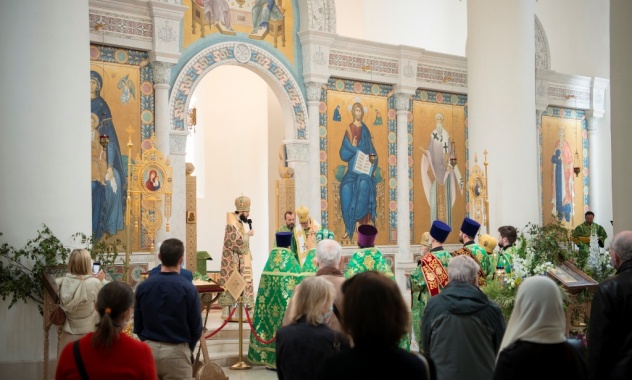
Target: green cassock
504, 258
420, 293
280, 276
369, 259
483, 258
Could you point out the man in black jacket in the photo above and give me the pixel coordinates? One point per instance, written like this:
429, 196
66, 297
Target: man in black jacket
610, 338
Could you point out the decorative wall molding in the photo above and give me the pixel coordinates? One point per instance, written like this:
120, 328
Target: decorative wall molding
321, 15
162, 72
592, 123
402, 101
297, 150
314, 90
260, 60
122, 25
177, 142
542, 52
344, 60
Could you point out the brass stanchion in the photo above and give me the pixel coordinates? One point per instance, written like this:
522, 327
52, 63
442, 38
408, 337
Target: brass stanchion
240, 364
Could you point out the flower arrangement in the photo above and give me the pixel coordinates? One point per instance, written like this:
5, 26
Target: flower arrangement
539, 249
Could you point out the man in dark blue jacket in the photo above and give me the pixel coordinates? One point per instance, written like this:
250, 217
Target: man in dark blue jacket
167, 314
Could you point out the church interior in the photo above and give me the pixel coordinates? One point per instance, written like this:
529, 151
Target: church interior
509, 113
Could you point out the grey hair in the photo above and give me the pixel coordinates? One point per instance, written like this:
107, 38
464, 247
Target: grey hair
464, 269
328, 253
622, 245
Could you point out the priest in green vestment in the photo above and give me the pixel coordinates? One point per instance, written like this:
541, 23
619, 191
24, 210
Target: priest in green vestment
278, 279
290, 222
368, 257
430, 275
507, 236
469, 229
581, 236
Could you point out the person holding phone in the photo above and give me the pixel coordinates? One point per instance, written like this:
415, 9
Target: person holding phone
78, 295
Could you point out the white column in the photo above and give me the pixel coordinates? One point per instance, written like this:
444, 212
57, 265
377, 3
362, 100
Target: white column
403, 255
162, 126
621, 83
45, 172
501, 98
402, 105
313, 101
177, 152
298, 160
599, 174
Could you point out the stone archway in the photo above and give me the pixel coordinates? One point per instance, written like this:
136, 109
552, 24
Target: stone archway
271, 69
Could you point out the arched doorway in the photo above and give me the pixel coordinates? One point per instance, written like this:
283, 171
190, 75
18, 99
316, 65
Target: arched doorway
247, 104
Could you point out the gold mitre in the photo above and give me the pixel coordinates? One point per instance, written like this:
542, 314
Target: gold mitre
488, 242
425, 239
303, 214
242, 204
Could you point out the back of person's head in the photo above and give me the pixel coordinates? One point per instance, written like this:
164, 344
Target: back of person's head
509, 232
80, 262
313, 300
538, 314
113, 302
171, 251
463, 268
374, 312
328, 253
622, 245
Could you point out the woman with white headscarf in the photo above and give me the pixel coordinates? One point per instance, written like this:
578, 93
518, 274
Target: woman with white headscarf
534, 345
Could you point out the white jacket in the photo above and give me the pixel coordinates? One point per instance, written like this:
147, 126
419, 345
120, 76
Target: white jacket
78, 296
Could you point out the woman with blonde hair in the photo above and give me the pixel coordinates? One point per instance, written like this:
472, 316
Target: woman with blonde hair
302, 345
108, 353
78, 291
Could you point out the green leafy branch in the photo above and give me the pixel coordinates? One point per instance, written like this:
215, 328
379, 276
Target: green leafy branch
22, 270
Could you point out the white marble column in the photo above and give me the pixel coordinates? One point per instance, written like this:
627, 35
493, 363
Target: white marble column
501, 93
298, 159
402, 105
313, 101
403, 255
162, 75
598, 174
177, 152
621, 103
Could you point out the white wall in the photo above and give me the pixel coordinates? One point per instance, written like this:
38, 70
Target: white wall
429, 24
232, 154
45, 145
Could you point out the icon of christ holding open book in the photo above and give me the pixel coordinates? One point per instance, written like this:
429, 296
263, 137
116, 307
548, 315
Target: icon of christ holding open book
358, 186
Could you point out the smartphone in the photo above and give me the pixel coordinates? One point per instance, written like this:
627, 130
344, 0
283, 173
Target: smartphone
96, 267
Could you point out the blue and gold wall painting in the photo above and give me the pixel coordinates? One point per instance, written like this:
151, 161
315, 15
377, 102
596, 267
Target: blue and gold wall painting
271, 21
564, 147
439, 134
122, 96
358, 159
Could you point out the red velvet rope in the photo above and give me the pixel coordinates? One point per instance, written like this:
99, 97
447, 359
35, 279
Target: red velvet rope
222, 326
252, 329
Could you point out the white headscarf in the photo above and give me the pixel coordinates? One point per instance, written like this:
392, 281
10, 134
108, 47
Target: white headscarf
538, 315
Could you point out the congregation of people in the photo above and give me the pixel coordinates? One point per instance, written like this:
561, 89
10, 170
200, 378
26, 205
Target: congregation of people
315, 318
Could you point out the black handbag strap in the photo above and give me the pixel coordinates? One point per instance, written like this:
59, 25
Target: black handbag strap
79, 361
337, 313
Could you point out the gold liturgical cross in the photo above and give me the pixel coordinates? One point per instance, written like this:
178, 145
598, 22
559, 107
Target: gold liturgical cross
235, 285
